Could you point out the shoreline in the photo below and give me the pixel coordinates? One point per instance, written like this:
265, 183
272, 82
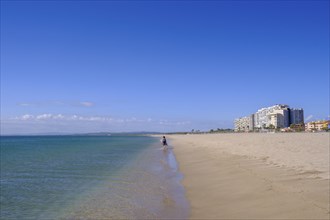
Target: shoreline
148, 187
227, 177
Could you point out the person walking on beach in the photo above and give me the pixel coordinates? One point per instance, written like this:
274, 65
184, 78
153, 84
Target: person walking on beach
164, 142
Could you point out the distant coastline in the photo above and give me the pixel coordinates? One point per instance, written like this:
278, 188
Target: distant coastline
87, 134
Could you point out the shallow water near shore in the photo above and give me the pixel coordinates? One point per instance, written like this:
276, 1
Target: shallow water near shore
90, 178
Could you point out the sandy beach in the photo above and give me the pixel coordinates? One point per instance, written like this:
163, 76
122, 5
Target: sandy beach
255, 176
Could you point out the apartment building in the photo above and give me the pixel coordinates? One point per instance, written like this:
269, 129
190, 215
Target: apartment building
317, 125
244, 123
277, 116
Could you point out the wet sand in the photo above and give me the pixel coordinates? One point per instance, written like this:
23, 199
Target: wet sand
255, 176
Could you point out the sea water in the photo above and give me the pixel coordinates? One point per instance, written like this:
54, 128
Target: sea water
85, 177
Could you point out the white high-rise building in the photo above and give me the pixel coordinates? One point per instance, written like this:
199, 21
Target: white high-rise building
277, 116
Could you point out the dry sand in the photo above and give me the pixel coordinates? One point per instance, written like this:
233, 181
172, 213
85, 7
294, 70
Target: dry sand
255, 176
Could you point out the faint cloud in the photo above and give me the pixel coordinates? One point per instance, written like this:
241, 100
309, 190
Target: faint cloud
56, 103
48, 122
25, 117
182, 122
171, 123
308, 117
59, 116
104, 119
44, 116
86, 104
25, 104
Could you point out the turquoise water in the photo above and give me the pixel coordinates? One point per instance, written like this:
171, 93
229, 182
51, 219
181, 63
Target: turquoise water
111, 177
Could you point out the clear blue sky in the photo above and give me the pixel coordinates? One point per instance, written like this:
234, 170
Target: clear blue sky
86, 66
